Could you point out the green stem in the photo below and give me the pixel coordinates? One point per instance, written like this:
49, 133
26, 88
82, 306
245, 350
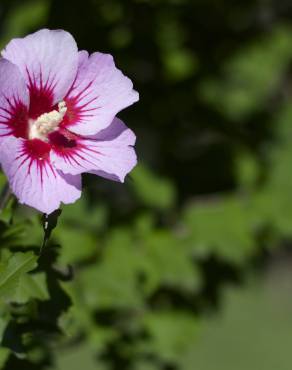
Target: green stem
46, 236
49, 223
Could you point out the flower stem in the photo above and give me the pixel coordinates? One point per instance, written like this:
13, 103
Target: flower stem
49, 223
46, 236
4, 196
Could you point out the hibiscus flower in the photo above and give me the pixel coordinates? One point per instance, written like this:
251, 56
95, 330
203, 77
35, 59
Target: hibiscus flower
58, 119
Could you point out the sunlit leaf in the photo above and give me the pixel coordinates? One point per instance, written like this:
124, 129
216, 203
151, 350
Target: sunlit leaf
32, 286
172, 334
152, 190
221, 226
12, 269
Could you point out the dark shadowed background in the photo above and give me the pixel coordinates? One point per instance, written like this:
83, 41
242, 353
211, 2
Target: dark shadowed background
188, 265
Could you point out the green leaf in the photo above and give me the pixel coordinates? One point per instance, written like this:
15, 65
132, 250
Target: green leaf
77, 245
81, 215
78, 231
172, 333
272, 203
24, 232
145, 365
113, 281
153, 191
4, 354
32, 286
221, 226
166, 261
81, 356
247, 170
251, 76
12, 269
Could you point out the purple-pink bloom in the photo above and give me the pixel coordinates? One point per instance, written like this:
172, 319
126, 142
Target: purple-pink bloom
58, 119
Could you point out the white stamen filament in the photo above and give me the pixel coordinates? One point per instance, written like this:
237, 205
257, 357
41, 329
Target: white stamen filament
46, 123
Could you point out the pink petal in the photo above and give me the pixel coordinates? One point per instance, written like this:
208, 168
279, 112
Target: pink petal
108, 154
32, 178
98, 94
48, 61
14, 100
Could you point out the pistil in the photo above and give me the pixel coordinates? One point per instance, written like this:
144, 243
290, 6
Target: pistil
47, 123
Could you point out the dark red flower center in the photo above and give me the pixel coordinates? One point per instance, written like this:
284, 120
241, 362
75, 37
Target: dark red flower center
43, 124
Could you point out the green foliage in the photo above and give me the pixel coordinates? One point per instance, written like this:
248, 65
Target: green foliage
130, 272
252, 76
153, 191
13, 284
218, 226
273, 200
172, 334
32, 286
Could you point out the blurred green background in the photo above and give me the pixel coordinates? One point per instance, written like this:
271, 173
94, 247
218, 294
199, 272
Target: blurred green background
188, 265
